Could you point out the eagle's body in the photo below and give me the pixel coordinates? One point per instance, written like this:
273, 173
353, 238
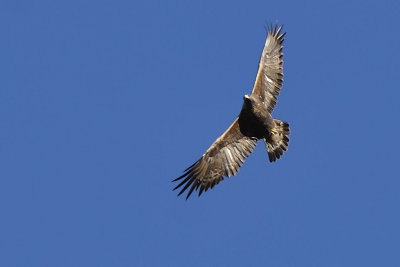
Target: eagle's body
254, 119
255, 122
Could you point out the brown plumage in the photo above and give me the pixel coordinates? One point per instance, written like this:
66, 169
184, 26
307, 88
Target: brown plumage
227, 154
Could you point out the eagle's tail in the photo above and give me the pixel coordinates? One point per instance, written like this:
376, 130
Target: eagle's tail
277, 143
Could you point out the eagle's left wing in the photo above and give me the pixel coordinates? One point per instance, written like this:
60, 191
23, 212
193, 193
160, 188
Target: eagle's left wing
224, 158
270, 73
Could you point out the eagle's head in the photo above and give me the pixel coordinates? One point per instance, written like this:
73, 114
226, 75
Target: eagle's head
248, 103
248, 99
252, 102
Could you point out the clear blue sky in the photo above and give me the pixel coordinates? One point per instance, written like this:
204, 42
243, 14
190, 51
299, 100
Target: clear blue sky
103, 103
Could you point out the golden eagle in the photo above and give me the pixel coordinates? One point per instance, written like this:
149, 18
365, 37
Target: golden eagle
227, 154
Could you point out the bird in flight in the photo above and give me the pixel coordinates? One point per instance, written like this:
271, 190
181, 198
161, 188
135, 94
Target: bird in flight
255, 122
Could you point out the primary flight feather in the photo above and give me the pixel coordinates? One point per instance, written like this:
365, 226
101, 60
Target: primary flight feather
228, 153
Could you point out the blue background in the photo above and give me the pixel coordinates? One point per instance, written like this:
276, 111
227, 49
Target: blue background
103, 103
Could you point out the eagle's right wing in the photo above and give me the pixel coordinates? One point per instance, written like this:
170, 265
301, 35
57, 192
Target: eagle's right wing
223, 159
270, 71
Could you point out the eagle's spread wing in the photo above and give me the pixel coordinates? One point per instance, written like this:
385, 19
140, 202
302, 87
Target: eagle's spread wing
270, 73
224, 158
